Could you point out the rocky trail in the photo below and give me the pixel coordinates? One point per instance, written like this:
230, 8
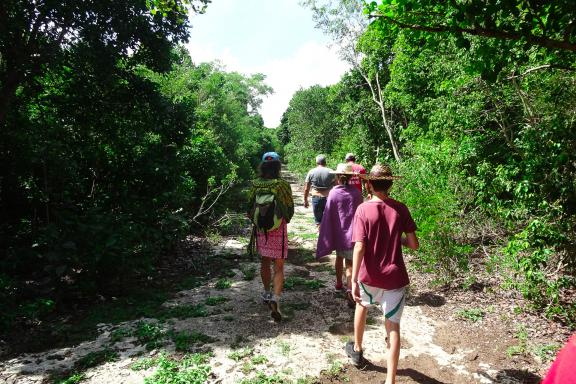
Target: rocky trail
448, 335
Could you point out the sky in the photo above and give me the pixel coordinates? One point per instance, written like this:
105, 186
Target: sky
274, 37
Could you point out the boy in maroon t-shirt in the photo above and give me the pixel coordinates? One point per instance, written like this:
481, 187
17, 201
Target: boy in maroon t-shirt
382, 226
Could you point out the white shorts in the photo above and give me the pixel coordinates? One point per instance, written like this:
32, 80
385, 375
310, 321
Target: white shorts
390, 300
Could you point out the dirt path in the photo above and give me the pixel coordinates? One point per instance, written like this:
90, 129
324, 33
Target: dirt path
247, 346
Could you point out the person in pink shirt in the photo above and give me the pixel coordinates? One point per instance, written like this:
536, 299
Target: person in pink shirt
563, 369
356, 181
381, 227
336, 226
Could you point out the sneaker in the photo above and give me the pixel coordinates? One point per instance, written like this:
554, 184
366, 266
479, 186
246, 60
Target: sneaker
266, 297
356, 357
275, 313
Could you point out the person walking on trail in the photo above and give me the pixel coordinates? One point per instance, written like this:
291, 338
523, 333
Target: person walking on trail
336, 227
271, 209
356, 181
318, 183
381, 227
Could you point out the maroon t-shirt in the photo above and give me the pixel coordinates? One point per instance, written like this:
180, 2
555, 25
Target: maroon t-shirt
355, 180
380, 225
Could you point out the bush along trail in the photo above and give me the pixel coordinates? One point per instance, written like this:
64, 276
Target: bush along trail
215, 329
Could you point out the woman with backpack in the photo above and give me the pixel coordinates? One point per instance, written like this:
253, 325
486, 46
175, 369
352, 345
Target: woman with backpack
271, 208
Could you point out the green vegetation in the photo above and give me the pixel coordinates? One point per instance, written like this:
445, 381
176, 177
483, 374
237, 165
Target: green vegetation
477, 116
248, 271
191, 369
522, 347
144, 363
262, 378
472, 314
94, 359
223, 284
73, 379
284, 348
115, 146
186, 311
296, 282
241, 354
215, 300
185, 340
152, 335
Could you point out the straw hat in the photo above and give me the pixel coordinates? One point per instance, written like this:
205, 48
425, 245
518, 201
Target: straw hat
380, 172
343, 169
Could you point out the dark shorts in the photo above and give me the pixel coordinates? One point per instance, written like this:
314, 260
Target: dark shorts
318, 205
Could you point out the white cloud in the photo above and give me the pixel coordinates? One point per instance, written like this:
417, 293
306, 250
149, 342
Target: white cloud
313, 63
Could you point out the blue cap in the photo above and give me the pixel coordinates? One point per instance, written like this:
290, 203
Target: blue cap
270, 156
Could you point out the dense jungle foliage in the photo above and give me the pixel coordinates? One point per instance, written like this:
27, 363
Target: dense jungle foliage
114, 145
480, 125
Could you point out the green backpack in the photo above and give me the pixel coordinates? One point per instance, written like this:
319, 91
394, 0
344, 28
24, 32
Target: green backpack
267, 215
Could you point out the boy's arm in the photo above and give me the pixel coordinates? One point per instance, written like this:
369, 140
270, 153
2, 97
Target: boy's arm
357, 257
410, 241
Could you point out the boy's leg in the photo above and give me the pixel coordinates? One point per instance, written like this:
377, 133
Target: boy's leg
359, 324
393, 344
339, 267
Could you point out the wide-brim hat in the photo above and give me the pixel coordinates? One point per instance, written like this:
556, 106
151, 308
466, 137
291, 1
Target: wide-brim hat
380, 172
343, 169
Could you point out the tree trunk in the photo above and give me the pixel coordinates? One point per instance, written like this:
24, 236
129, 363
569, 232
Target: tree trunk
377, 98
10, 83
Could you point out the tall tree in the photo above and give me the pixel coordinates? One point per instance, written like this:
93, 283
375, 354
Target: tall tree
35, 33
548, 24
345, 23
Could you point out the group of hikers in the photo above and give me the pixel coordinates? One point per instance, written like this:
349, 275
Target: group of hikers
367, 236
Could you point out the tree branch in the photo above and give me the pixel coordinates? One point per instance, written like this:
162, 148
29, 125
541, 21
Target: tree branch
545, 42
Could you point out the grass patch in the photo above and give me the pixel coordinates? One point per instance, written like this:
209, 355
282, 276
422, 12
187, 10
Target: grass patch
119, 333
546, 352
186, 311
473, 314
223, 283
522, 347
284, 348
301, 256
309, 236
96, 358
73, 379
296, 282
144, 363
259, 359
215, 300
149, 334
191, 369
241, 354
248, 271
262, 378
185, 341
